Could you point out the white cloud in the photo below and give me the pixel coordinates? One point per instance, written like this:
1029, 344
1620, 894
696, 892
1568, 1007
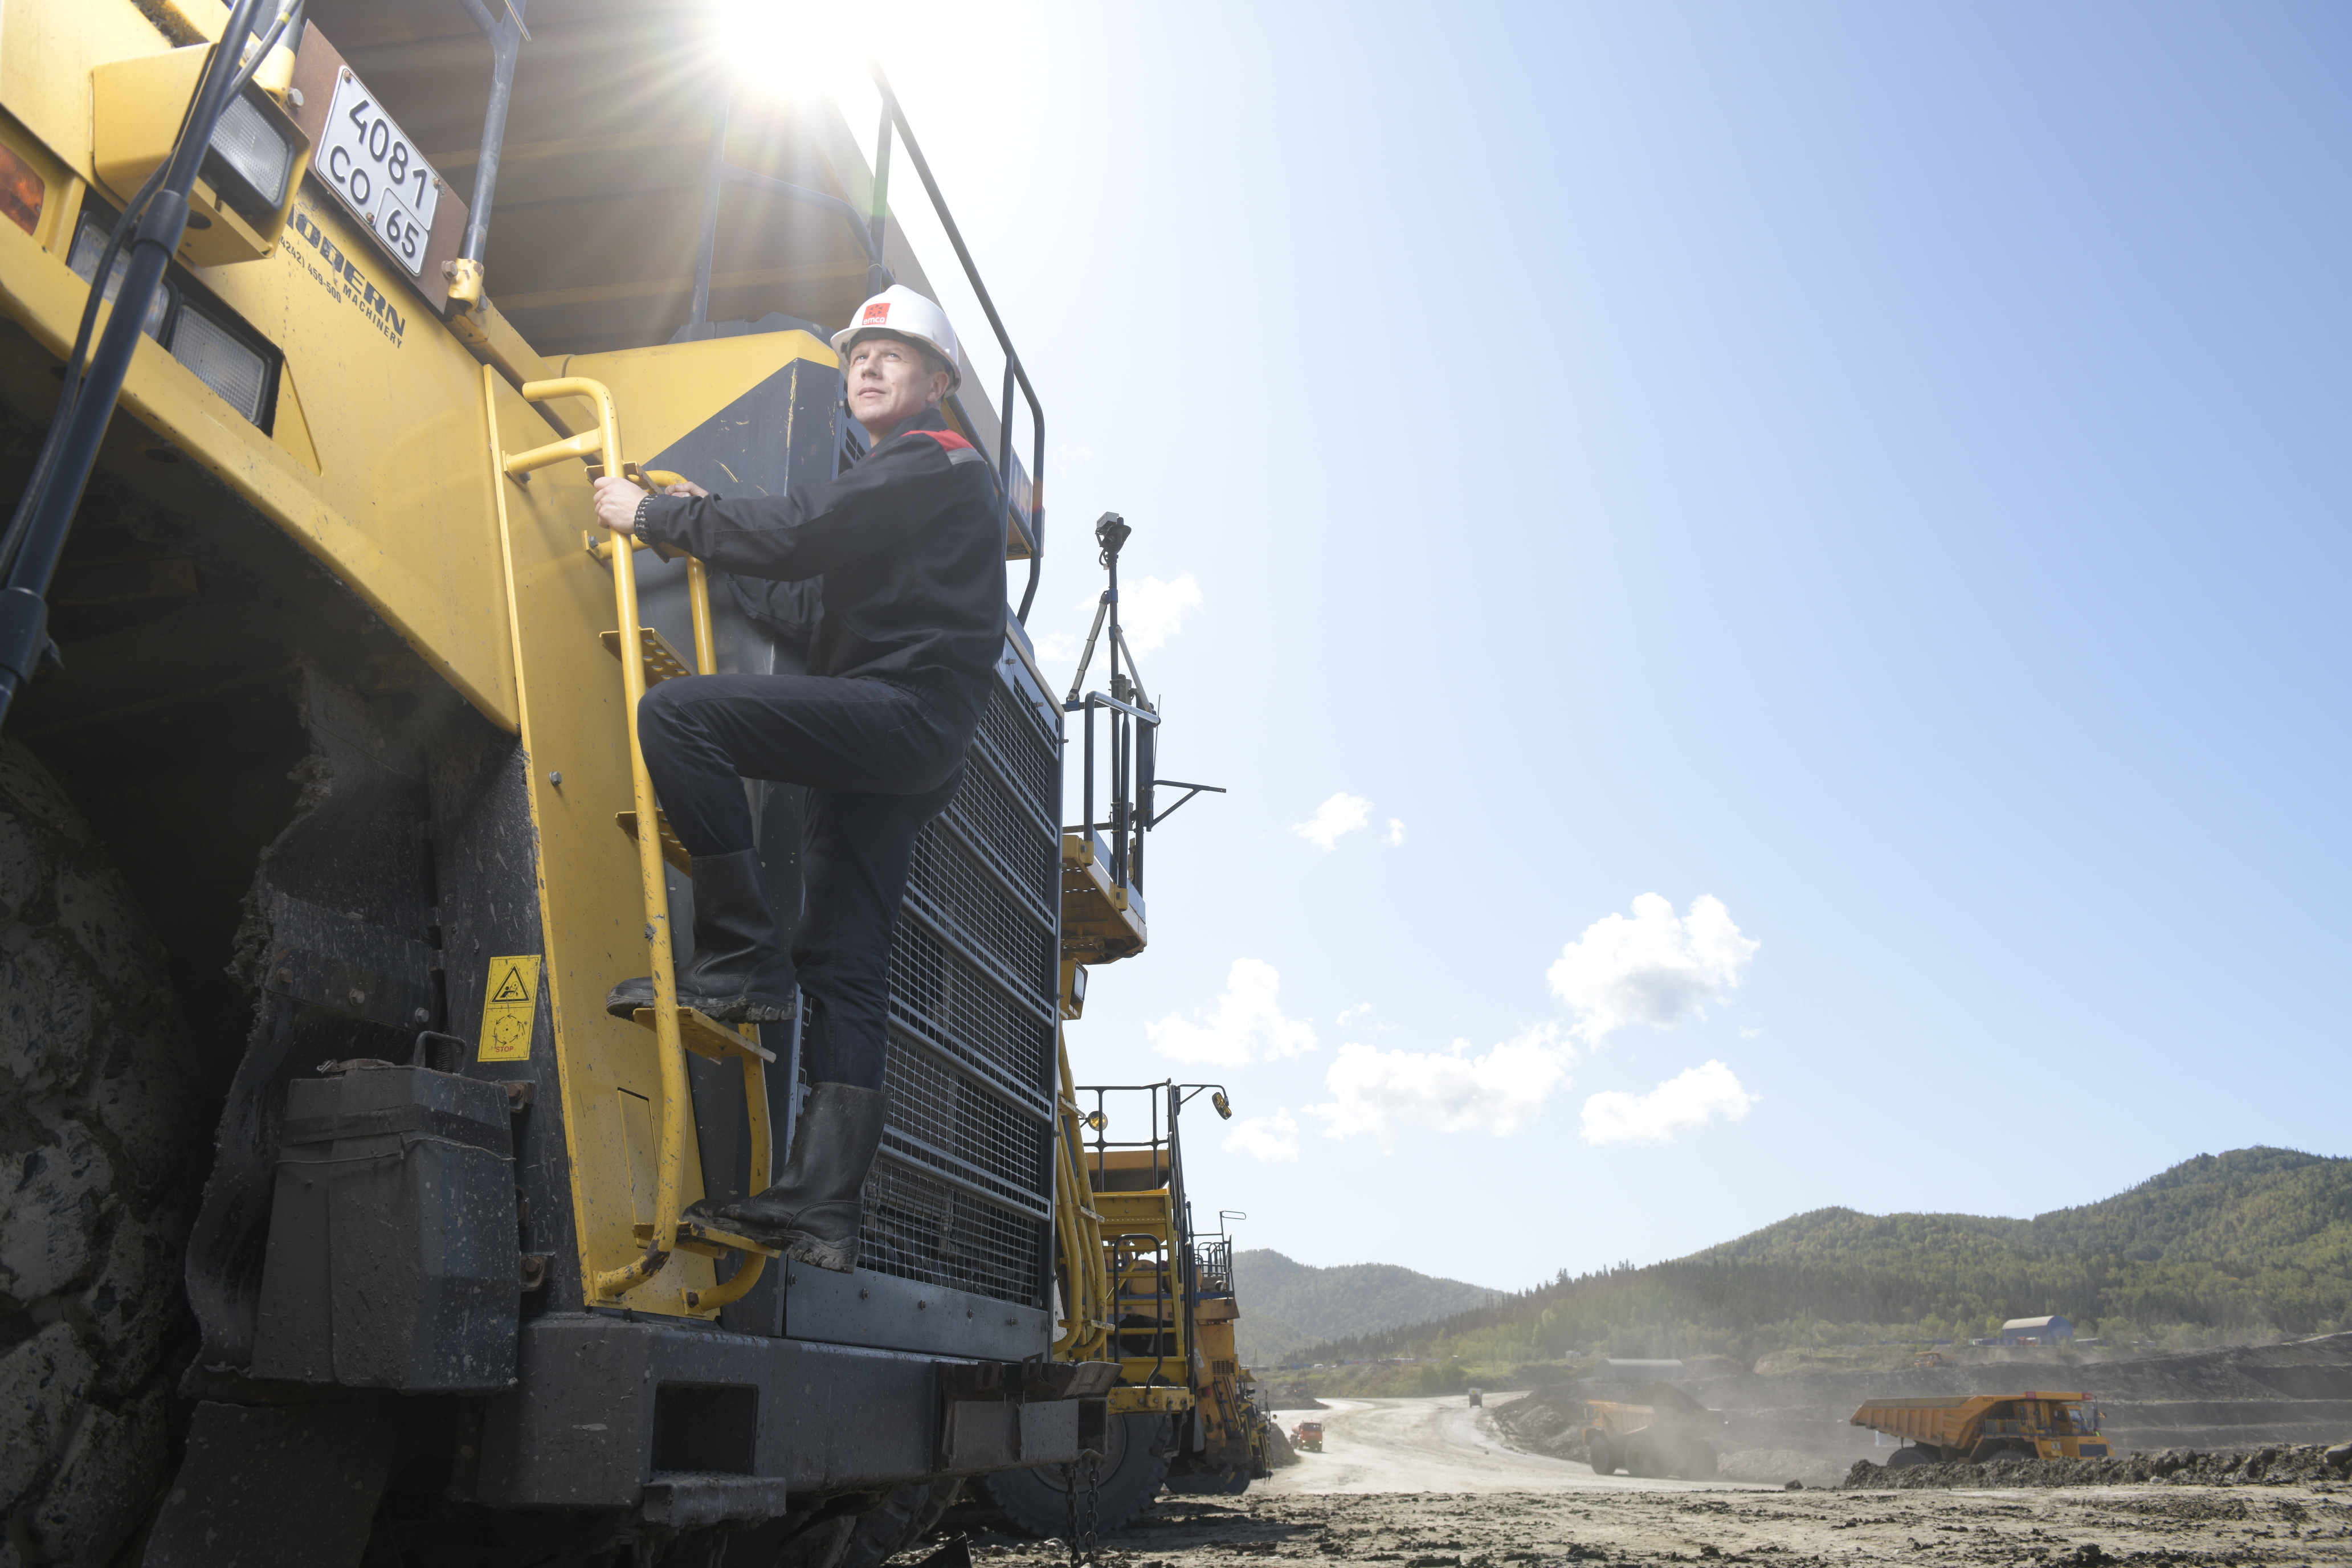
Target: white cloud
1359, 1010
1396, 831
1150, 611
1340, 815
1681, 1104
1653, 969
1381, 1092
1243, 1026
1272, 1137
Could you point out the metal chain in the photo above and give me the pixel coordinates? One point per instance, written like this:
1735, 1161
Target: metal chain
1070, 1511
1093, 1462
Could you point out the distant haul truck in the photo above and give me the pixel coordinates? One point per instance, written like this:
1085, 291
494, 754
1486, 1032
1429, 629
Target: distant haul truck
1670, 1435
1308, 1434
1986, 1426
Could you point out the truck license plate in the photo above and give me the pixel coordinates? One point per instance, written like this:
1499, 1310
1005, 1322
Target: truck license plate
378, 173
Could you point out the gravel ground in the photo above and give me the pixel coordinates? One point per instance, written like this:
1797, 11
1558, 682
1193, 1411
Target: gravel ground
2078, 1527
1430, 1484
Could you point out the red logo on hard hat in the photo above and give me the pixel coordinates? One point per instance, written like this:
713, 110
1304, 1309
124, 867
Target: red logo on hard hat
879, 311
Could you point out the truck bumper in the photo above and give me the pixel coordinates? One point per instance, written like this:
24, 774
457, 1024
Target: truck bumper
607, 1412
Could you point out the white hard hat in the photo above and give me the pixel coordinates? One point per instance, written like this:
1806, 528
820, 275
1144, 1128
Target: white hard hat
898, 311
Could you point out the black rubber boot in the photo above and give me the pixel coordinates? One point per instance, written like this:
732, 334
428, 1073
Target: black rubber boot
739, 973
813, 1208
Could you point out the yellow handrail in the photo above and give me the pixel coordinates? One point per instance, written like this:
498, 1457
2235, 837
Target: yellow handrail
698, 599
755, 1110
670, 1045
669, 1160
755, 1071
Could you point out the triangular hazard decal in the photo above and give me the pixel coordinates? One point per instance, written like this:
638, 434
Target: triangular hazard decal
512, 989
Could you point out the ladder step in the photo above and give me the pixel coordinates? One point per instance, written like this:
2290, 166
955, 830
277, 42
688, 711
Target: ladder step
672, 850
707, 1036
693, 1236
663, 662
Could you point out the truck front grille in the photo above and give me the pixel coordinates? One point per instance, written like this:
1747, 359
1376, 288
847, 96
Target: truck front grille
962, 1195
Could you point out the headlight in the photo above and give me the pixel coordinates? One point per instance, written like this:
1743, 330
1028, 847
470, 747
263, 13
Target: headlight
89, 244
194, 327
222, 361
248, 147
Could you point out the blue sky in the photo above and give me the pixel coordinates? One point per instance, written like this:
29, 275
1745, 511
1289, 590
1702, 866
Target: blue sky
1878, 470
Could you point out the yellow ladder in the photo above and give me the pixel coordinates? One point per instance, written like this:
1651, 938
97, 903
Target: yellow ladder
676, 1030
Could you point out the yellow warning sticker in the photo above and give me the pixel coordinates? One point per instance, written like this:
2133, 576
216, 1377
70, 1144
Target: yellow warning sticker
509, 1004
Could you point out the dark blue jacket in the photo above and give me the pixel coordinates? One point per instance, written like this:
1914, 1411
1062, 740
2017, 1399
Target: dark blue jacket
893, 569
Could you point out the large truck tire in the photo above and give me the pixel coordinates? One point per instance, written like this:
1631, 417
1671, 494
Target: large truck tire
1231, 1481
103, 1147
904, 1517
1604, 1457
1125, 1484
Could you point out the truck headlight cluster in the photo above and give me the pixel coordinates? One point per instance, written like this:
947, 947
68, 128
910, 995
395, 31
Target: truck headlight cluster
201, 333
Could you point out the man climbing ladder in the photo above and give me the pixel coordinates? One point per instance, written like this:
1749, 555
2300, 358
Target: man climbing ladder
892, 578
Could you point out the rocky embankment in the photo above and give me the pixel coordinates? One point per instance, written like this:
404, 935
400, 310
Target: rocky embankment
2270, 1466
2221, 1409
2239, 1398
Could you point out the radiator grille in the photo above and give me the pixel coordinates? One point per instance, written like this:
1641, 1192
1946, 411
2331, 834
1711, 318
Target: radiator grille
964, 1192
1016, 744
958, 894
922, 1226
941, 1117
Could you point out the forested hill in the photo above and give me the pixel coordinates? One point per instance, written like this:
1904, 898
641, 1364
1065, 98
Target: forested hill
1286, 1304
2252, 1241
2244, 1211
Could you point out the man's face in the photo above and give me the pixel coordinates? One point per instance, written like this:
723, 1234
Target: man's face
890, 381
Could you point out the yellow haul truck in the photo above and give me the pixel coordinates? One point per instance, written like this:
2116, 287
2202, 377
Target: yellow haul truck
323, 834
1986, 1426
1667, 1434
1183, 1411
1136, 1284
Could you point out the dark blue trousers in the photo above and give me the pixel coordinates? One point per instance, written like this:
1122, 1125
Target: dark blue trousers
879, 760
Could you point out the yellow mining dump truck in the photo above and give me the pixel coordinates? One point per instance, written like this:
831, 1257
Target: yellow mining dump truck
1184, 1412
323, 832
1666, 1433
1136, 1284
1986, 1426
1230, 1423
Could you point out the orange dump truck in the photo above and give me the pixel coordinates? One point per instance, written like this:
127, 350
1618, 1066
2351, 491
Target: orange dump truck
1987, 1425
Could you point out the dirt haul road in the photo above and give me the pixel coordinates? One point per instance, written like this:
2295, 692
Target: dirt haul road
2071, 1527
1430, 1446
1425, 1484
